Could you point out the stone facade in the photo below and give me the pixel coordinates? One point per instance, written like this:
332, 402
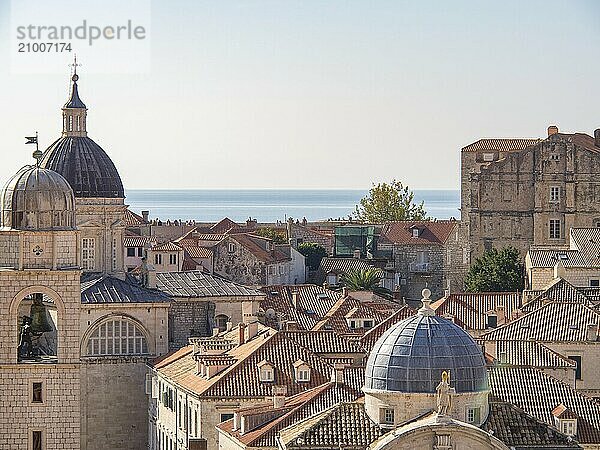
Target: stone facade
518, 192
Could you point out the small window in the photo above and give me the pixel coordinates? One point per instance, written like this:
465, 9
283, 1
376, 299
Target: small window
158, 258
37, 393
554, 228
231, 247
266, 373
487, 157
130, 252
387, 416
594, 283
568, 427
353, 324
492, 321
577, 359
473, 415
226, 416
88, 249
303, 374
172, 258
415, 232
332, 279
554, 157
36, 440
140, 251
554, 194
368, 324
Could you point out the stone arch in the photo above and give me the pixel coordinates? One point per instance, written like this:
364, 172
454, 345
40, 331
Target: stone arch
13, 310
116, 316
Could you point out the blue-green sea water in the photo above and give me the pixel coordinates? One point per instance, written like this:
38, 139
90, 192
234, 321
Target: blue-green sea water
270, 205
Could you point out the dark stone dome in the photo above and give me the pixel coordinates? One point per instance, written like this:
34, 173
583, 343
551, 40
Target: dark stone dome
87, 168
411, 356
37, 199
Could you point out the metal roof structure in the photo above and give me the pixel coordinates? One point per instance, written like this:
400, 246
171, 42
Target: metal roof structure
198, 284
411, 356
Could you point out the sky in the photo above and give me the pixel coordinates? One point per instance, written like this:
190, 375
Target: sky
316, 94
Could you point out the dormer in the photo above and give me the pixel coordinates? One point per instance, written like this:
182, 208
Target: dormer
266, 372
565, 420
415, 231
301, 371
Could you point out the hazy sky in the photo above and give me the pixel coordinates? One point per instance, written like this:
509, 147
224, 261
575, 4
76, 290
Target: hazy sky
321, 94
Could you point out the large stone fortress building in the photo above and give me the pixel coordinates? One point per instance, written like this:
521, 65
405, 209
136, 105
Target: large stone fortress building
523, 192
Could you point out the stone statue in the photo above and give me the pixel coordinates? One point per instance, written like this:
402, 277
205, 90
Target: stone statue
25, 349
444, 392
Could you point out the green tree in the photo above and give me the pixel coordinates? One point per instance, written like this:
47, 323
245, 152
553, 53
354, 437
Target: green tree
389, 203
362, 279
278, 236
313, 254
496, 271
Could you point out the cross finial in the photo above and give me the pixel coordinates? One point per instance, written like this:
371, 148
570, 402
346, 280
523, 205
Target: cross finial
74, 65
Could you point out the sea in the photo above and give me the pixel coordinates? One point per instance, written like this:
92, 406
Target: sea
272, 205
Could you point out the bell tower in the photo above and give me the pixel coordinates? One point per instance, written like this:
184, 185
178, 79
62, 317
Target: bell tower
40, 303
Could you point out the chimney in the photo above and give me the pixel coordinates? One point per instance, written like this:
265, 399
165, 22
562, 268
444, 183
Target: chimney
337, 374
344, 292
279, 393
597, 137
241, 333
145, 215
592, 332
552, 129
295, 299
229, 326
237, 419
249, 311
291, 325
501, 314
215, 331
251, 329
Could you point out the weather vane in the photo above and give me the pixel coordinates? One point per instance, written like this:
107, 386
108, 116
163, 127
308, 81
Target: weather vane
34, 140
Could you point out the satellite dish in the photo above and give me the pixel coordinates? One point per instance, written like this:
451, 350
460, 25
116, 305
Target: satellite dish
271, 314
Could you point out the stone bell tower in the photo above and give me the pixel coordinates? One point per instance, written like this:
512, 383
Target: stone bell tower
39, 313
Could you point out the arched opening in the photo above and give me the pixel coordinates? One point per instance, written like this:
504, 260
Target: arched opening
37, 329
116, 336
221, 322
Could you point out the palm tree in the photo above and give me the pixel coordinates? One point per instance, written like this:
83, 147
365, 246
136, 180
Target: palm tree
362, 279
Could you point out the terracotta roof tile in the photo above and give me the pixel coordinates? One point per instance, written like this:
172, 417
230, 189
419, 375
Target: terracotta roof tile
431, 232
501, 144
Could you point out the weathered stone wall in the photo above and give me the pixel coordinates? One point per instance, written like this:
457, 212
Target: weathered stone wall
299, 233
507, 202
239, 266
186, 315
114, 404
57, 417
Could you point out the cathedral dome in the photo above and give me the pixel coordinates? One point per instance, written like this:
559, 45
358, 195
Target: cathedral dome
85, 165
37, 199
87, 168
411, 356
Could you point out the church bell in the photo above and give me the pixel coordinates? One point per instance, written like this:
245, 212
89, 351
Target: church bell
39, 316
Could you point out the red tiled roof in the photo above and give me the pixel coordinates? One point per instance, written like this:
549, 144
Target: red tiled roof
138, 241
167, 247
223, 226
132, 219
371, 336
501, 144
256, 245
431, 232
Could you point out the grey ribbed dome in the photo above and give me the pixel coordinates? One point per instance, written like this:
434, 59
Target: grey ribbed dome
411, 356
87, 168
37, 199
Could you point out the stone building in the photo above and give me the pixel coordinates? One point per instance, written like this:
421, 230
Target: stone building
522, 192
78, 332
424, 254
39, 313
579, 264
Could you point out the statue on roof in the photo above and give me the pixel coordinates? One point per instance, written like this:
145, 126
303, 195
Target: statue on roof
444, 394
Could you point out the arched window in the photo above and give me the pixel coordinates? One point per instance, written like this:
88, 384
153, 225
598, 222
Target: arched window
221, 322
117, 336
